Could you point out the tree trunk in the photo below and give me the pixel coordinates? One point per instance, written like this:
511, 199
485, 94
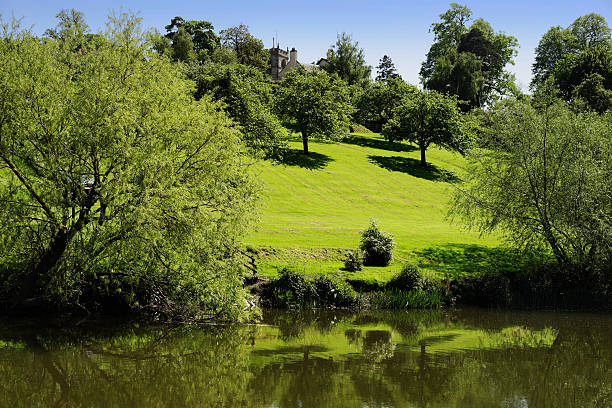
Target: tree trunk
423, 162
305, 142
48, 259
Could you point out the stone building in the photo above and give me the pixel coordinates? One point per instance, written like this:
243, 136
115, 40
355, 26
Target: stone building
283, 61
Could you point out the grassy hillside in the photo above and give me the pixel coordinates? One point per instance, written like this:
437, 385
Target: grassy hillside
315, 207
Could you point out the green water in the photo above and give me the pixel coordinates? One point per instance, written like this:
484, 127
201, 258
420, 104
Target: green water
465, 358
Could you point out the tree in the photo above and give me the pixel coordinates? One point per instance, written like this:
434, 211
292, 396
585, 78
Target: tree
469, 62
590, 30
585, 32
117, 188
248, 98
201, 32
386, 69
543, 180
374, 106
346, 59
317, 103
573, 69
182, 46
249, 49
554, 45
427, 117
71, 25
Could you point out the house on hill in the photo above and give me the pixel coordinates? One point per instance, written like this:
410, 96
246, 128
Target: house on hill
283, 61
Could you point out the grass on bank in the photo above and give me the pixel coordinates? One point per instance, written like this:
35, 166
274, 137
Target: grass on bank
315, 207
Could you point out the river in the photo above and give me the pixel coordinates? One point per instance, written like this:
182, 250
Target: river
452, 358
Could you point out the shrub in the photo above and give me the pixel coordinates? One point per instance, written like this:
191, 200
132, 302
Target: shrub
377, 246
335, 292
407, 279
492, 289
290, 290
353, 261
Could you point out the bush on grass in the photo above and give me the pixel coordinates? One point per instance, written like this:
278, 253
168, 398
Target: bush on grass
377, 246
353, 261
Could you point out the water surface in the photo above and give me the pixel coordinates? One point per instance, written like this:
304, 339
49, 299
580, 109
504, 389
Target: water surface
465, 358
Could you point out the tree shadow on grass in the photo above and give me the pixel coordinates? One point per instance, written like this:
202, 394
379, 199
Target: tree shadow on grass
296, 157
469, 259
414, 168
378, 144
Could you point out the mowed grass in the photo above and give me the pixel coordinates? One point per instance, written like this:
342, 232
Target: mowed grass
314, 208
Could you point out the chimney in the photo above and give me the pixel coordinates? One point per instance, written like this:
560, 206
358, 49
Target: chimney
293, 55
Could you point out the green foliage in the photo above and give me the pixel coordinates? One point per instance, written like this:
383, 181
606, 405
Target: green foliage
290, 290
200, 32
248, 99
594, 65
374, 105
399, 299
249, 49
425, 118
335, 292
469, 62
317, 103
353, 261
347, 60
558, 43
594, 93
182, 46
377, 246
489, 289
386, 69
409, 278
544, 182
117, 187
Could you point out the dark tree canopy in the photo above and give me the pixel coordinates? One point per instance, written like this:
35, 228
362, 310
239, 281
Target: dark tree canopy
249, 49
386, 69
347, 60
201, 32
593, 65
469, 62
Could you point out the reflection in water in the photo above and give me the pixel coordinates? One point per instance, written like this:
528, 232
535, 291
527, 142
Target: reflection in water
315, 359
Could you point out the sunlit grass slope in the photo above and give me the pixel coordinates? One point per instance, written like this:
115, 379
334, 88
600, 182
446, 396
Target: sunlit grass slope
314, 208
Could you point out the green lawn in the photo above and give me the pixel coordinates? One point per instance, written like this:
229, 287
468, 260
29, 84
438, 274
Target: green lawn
314, 208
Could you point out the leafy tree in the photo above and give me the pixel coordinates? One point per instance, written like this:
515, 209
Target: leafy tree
386, 69
71, 25
317, 103
249, 49
346, 59
544, 181
182, 46
117, 188
247, 96
469, 62
585, 32
594, 93
554, 45
201, 32
573, 69
374, 106
425, 118
590, 30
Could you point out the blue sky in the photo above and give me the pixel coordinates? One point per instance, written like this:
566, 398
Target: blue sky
399, 29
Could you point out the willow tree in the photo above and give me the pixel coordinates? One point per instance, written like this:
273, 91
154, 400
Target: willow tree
116, 187
544, 180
